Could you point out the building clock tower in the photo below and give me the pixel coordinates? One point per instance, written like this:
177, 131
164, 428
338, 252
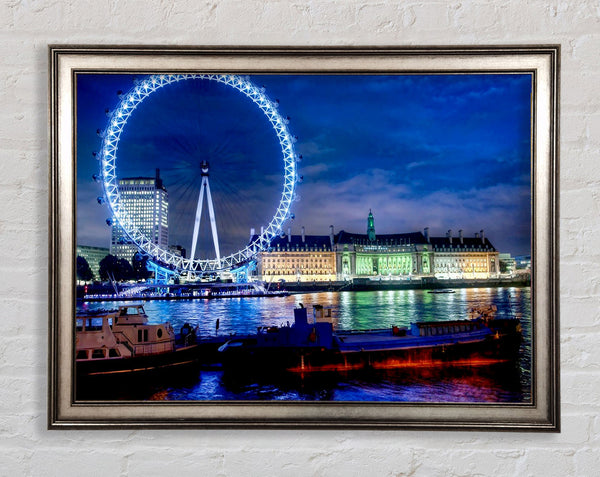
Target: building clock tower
371, 227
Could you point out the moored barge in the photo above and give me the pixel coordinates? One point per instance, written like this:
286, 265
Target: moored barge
310, 347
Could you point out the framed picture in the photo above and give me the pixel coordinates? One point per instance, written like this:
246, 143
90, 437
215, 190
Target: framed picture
304, 237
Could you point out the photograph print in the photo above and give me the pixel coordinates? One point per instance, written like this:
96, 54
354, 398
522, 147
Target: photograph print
304, 237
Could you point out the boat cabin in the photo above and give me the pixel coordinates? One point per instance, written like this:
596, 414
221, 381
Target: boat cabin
322, 313
123, 333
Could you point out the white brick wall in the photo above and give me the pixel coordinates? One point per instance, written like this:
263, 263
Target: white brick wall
28, 26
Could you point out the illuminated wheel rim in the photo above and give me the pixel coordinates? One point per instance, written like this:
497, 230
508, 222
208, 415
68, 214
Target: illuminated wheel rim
108, 158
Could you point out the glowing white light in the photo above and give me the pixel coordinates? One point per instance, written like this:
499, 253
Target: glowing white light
108, 156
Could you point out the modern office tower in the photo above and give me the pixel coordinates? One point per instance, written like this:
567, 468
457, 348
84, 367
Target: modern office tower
147, 202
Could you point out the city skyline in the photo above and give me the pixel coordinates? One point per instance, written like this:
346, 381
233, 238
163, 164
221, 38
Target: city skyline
437, 151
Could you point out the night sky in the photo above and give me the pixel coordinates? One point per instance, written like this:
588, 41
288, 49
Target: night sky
437, 151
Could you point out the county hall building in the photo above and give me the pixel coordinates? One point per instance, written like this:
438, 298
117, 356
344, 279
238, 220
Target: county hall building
345, 256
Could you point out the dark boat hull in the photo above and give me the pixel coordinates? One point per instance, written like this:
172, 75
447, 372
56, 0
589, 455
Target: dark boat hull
492, 349
135, 378
139, 365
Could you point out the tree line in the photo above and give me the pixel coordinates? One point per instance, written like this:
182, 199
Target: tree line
119, 269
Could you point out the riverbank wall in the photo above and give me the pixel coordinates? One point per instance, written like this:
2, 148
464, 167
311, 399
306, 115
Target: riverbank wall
425, 284
190, 291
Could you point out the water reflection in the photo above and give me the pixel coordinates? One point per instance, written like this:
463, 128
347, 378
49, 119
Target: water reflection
351, 310
498, 383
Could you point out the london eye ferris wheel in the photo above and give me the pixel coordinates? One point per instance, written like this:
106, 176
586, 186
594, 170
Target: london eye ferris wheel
112, 136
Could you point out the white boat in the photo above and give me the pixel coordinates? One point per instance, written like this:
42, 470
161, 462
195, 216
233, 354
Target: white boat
122, 341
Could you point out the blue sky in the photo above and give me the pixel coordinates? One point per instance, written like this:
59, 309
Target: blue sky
437, 151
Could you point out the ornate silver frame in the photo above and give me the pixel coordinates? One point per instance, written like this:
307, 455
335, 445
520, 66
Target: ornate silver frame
543, 414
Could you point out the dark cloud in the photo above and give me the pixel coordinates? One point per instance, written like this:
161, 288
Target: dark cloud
444, 151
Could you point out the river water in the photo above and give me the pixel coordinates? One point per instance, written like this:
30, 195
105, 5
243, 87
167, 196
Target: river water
351, 311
